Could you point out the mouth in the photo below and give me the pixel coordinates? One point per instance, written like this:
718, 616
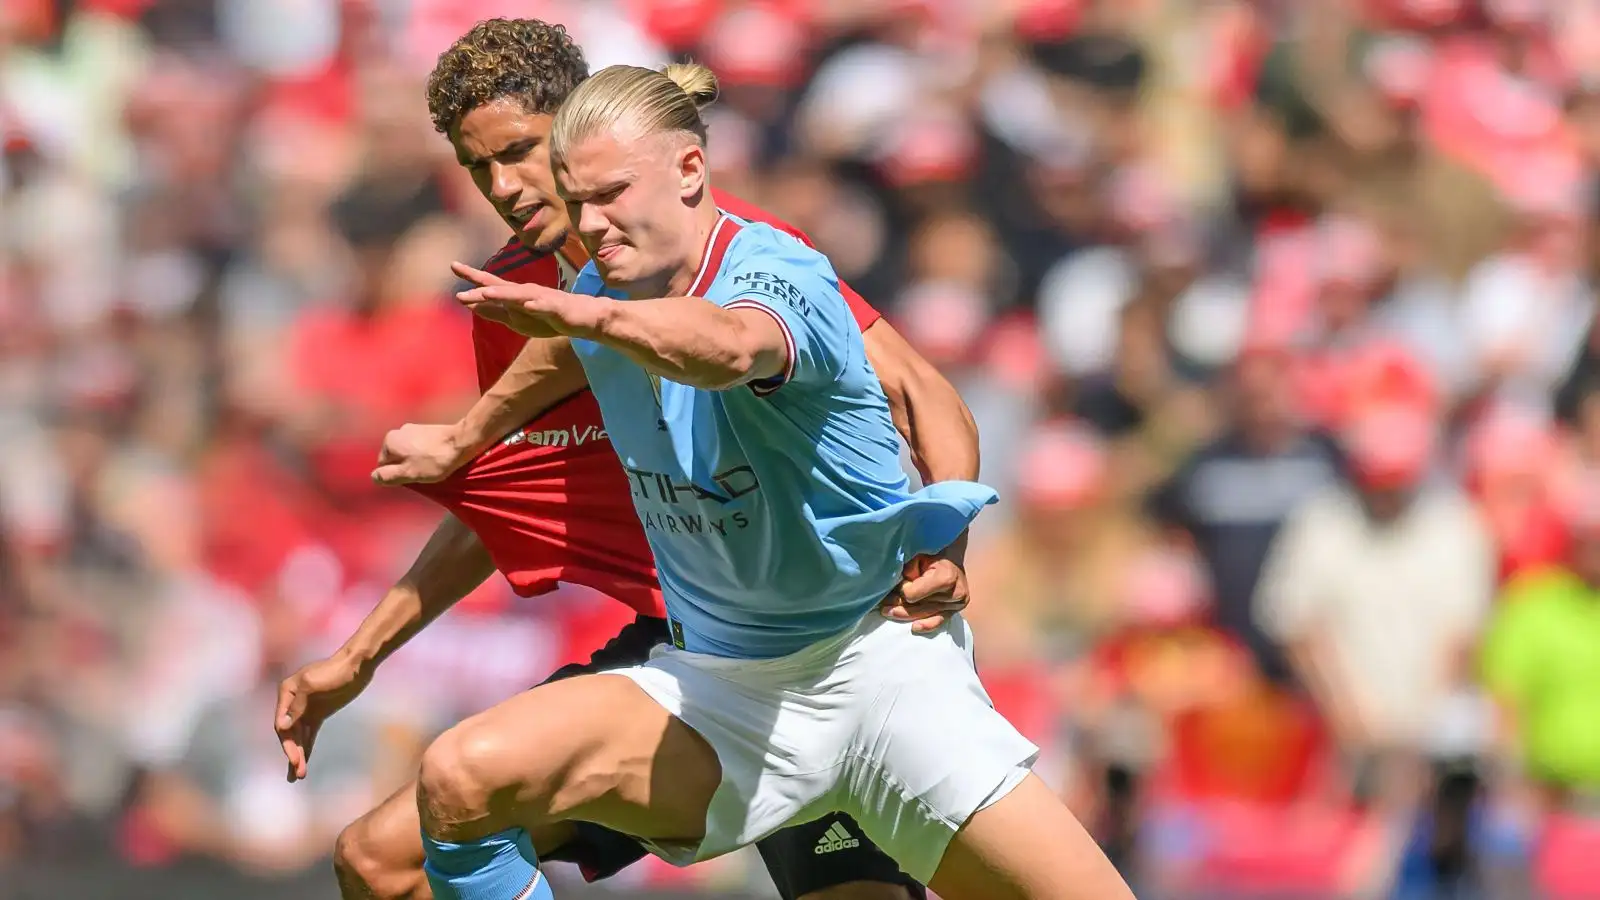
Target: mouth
522, 216
608, 252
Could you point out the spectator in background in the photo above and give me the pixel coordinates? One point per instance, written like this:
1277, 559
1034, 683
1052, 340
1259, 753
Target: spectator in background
1541, 664
1077, 206
1231, 497
1526, 309
1514, 471
384, 322
1054, 565
225, 796
393, 350
1378, 588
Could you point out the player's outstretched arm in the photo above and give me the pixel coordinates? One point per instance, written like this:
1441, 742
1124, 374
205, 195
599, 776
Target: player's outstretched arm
450, 566
684, 339
543, 374
928, 411
693, 341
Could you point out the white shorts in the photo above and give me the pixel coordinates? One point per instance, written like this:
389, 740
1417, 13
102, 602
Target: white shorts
891, 727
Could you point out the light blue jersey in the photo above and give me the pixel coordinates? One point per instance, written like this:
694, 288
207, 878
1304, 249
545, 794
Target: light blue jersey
778, 513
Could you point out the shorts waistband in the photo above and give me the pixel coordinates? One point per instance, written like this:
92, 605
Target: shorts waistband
815, 657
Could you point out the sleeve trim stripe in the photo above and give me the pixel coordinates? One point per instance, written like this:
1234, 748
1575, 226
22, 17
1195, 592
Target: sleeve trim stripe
768, 385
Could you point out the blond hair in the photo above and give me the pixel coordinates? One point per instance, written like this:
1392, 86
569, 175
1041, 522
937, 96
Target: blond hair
665, 102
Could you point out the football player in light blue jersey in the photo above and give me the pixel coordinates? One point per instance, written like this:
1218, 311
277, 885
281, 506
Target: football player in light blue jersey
776, 506
765, 470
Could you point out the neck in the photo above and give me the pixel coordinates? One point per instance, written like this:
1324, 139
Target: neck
678, 280
573, 252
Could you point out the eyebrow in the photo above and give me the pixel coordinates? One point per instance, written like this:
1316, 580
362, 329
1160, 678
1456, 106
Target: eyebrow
583, 196
519, 144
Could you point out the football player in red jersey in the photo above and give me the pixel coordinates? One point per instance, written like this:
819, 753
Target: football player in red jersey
534, 489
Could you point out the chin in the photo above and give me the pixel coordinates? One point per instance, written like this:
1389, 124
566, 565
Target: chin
613, 277
545, 241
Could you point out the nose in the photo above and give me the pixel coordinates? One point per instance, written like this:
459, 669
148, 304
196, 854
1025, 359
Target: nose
503, 183
592, 221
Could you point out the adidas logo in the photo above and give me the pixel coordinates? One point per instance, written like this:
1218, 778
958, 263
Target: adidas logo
836, 839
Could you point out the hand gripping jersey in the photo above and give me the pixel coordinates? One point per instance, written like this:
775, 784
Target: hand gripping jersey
550, 501
777, 512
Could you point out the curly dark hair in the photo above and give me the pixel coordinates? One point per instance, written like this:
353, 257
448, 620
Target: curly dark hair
535, 62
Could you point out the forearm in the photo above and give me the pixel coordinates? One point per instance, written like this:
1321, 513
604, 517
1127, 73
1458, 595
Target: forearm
957, 551
939, 430
451, 565
928, 411
693, 341
543, 374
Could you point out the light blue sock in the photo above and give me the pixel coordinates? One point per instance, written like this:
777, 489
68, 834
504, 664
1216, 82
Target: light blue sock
501, 866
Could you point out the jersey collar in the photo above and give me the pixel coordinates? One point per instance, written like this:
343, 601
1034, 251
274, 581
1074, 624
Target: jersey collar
721, 236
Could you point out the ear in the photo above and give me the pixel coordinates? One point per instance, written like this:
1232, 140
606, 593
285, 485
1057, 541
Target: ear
692, 170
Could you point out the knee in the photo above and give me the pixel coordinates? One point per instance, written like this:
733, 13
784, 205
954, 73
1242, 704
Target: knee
458, 777
860, 890
365, 868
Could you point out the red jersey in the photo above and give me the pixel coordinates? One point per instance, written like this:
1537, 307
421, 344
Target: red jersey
550, 501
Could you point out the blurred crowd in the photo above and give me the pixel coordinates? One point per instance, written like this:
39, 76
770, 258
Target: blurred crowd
1277, 318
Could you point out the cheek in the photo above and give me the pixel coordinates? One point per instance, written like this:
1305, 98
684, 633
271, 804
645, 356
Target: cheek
481, 181
617, 215
648, 211
535, 175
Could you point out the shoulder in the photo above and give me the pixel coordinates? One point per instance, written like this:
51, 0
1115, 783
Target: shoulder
1448, 504
513, 253
1543, 581
757, 245
515, 262
769, 264
588, 281
1331, 507
749, 212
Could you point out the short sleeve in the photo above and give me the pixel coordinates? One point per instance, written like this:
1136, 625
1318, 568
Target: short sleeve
798, 289
865, 314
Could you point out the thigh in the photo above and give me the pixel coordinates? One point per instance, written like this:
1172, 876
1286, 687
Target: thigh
1026, 846
593, 747
827, 853
932, 750
780, 730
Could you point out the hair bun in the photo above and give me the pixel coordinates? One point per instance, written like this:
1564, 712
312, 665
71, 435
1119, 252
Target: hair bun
699, 82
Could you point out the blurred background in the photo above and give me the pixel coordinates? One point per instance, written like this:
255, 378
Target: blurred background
1277, 318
